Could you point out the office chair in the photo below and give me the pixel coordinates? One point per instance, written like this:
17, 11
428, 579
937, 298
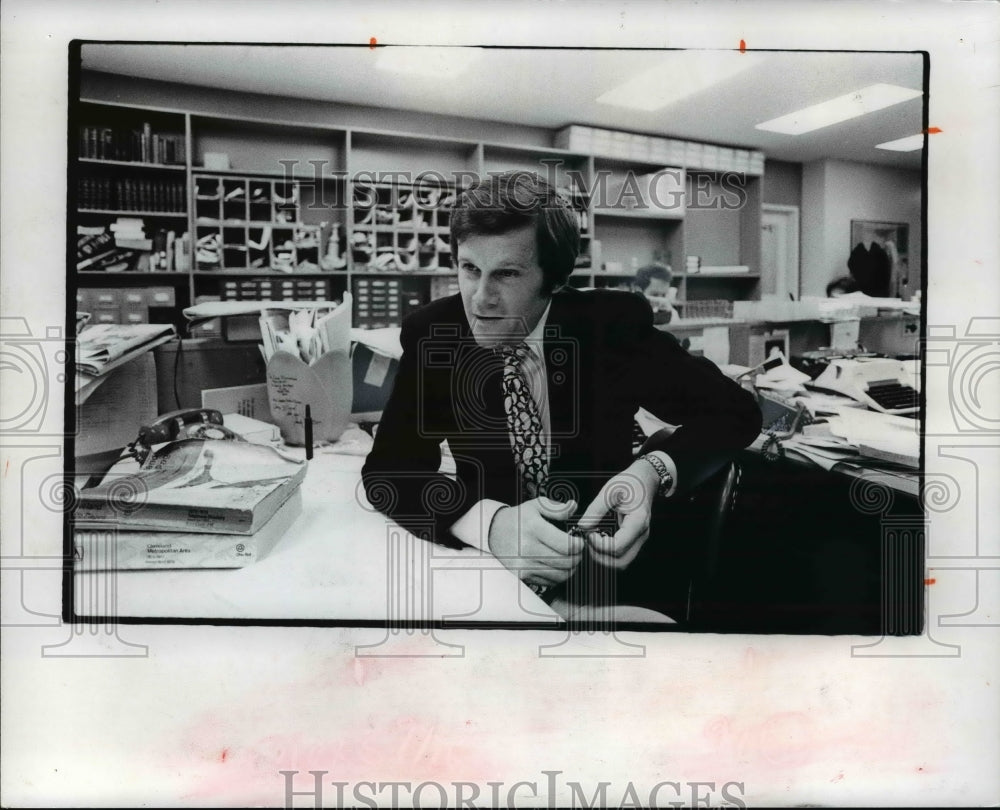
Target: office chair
694, 526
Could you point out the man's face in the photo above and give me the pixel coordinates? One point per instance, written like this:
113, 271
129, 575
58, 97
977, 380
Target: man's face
658, 290
502, 285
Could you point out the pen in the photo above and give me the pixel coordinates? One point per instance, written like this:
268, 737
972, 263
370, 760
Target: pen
309, 433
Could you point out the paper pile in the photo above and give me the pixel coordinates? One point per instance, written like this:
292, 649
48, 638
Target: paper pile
307, 333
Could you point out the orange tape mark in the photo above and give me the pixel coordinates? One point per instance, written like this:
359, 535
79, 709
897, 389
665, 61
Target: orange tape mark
743, 46
933, 130
372, 43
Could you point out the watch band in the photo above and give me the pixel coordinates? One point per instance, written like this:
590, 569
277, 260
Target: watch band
666, 479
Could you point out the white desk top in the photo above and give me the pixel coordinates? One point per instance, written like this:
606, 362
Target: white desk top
334, 564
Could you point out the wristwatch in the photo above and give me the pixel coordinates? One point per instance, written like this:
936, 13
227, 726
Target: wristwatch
666, 478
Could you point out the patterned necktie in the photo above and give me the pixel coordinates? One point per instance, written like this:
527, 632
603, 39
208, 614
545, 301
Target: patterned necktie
524, 421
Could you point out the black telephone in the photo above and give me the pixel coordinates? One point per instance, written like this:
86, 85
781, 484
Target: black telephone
195, 423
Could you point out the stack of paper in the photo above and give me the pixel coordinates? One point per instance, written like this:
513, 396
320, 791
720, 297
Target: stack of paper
103, 347
861, 436
880, 436
307, 333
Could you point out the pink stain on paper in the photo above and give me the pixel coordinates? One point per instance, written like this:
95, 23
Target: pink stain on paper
337, 735
405, 749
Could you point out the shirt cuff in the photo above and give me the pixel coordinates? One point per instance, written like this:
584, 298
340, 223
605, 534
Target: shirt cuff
473, 528
671, 468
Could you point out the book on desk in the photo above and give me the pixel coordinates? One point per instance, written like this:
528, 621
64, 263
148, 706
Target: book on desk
106, 548
194, 485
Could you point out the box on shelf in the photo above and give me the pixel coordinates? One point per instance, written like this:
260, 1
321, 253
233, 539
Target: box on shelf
574, 138
657, 194
694, 155
639, 147
216, 161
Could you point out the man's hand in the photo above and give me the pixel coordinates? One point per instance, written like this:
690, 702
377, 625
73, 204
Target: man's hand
524, 540
629, 495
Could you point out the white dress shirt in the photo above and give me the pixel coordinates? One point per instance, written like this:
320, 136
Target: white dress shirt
473, 528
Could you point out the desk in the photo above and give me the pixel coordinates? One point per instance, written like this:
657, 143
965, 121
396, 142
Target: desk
819, 552
893, 333
903, 481
341, 562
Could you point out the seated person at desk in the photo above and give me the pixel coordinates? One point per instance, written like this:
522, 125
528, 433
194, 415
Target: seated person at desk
534, 386
653, 281
841, 286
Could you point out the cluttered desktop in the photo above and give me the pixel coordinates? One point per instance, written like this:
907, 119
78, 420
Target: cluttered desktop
841, 422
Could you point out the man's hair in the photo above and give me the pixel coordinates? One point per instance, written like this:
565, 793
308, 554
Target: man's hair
517, 199
845, 284
646, 274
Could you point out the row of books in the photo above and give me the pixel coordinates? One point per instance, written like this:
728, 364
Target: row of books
128, 194
133, 145
120, 245
92, 247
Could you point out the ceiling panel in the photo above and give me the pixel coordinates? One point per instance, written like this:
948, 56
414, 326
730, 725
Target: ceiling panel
554, 87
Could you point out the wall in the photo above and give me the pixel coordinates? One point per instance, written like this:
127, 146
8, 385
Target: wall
833, 193
782, 183
96, 86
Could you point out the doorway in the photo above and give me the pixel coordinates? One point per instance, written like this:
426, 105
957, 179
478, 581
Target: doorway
779, 246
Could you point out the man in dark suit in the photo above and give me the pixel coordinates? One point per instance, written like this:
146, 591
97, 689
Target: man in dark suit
534, 387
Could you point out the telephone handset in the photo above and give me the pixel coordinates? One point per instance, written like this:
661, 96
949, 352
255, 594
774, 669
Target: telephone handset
195, 423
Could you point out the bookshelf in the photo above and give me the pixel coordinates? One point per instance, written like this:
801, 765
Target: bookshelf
244, 207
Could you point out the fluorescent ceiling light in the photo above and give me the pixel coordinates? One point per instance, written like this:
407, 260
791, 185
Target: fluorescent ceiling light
441, 63
680, 75
843, 108
911, 143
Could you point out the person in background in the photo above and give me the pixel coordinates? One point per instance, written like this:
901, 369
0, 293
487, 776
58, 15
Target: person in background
653, 281
841, 286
